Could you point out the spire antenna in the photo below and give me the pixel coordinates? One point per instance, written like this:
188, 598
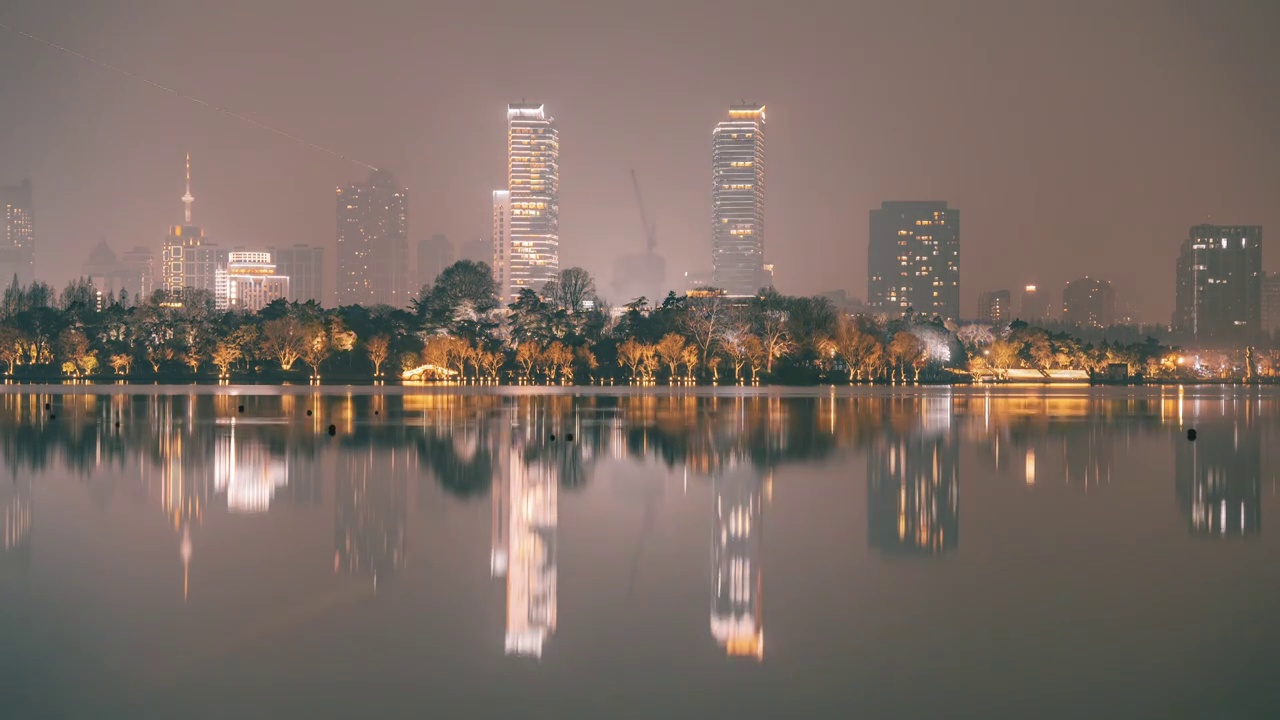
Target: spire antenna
187, 199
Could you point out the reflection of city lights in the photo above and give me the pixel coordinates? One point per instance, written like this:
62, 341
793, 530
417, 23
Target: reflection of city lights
1031, 466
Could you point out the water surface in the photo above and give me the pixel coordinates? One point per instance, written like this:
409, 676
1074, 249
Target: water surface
930, 553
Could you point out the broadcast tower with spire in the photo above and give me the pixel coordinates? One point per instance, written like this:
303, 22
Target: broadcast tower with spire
188, 261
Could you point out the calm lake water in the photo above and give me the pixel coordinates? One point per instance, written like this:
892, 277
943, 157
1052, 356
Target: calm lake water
931, 553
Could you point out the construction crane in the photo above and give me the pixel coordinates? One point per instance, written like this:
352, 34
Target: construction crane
650, 230
642, 274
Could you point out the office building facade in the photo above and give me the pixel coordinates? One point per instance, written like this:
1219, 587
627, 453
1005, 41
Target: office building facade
373, 242
1089, 302
737, 202
995, 307
1218, 293
434, 255
527, 249
249, 281
17, 234
304, 266
913, 259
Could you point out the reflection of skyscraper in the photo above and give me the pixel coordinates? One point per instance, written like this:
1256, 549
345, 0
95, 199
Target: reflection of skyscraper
737, 604
533, 489
370, 516
913, 488
15, 522
1218, 480
246, 471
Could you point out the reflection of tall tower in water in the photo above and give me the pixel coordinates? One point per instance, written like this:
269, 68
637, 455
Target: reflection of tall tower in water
246, 470
913, 484
525, 496
737, 568
370, 514
15, 522
1218, 478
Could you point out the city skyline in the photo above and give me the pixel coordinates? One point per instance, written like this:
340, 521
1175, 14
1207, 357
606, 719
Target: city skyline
109, 177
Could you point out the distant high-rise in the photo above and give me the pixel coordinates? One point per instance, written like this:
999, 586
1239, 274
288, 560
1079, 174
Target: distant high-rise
373, 242
434, 255
1035, 304
138, 272
1089, 302
528, 249
304, 265
913, 259
102, 268
507, 289
995, 307
1218, 294
189, 261
1271, 303
477, 250
17, 234
737, 202
250, 281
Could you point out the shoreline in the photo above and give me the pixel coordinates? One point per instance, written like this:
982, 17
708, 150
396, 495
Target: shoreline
794, 391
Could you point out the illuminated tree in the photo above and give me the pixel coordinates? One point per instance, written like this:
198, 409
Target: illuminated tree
10, 346
527, 356
670, 350
225, 354
121, 363
553, 359
689, 358
905, 350
631, 355
74, 347
286, 339
585, 359
378, 347
89, 363
317, 350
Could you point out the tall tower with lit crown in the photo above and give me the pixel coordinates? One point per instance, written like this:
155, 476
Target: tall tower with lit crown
737, 202
527, 253
188, 261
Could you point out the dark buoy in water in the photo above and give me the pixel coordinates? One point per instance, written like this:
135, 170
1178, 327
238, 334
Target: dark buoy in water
333, 430
117, 424
1191, 434
308, 413
240, 409
553, 437
53, 416
375, 412
48, 407
568, 437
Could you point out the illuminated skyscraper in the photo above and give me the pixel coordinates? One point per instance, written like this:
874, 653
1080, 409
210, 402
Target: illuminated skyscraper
995, 307
17, 234
373, 242
913, 259
249, 281
737, 541
1089, 302
189, 261
304, 266
502, 245
737, 202
1218, 294
530, 249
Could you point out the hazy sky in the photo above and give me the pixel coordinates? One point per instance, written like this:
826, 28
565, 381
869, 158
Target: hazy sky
1076, 137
